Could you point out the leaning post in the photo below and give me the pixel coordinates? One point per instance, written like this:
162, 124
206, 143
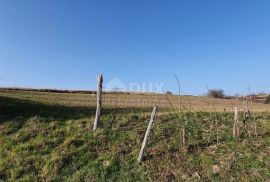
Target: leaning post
147, 133
99, 100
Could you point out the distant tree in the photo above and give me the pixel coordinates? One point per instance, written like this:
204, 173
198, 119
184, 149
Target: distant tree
268, 99
216, 93
169, 93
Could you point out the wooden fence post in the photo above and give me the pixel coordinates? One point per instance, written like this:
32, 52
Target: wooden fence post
236, 124
256, 132
184, 136
99, 100
246, 112
147, 133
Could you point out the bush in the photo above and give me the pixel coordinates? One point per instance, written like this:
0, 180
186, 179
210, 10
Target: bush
216, 93
268, 99
169, 93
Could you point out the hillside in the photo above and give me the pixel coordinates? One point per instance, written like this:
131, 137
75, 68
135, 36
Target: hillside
48, 137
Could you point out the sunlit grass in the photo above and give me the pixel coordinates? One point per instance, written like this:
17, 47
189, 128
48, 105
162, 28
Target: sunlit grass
55, 142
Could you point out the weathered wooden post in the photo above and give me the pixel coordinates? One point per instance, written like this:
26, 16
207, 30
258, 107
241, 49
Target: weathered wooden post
184, 136
256, 132
99, 100
147, 133
236, 124
246, 112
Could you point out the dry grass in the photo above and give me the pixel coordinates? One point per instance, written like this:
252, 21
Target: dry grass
191, 103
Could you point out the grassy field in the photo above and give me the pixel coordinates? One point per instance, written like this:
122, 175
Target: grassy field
188, 103
48, 137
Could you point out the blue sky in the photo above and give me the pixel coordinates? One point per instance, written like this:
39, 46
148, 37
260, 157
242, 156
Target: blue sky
65, 43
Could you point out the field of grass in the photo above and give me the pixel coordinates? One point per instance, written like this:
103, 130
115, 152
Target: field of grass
122, 100
48, 137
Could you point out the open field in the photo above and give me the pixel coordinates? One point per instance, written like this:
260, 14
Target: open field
188, 103
48, 137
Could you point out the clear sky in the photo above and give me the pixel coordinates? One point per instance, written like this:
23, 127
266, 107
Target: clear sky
65, 43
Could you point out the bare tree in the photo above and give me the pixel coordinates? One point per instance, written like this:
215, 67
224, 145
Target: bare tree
216, 93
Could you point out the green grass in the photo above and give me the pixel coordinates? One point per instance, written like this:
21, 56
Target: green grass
55, 142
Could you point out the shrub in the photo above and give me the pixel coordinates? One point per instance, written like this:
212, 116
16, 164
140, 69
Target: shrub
169, 93
268, 99
216, 93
